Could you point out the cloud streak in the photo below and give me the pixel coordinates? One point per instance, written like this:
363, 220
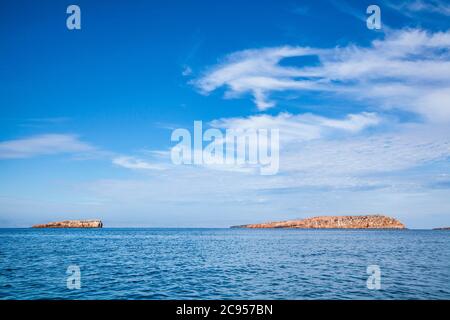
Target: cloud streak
419, 6
39, 145
327, 152
134, 163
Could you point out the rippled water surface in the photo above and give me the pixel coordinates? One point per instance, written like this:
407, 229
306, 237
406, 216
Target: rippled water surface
223, 264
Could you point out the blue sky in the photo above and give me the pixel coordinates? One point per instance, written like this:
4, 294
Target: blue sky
86, 115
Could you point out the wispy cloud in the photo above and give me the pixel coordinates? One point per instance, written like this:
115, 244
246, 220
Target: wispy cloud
419, 6
44, 122
389, 73
134, 163
257, 72
407, 147
329, 152
301, 127
346, 8
46, 144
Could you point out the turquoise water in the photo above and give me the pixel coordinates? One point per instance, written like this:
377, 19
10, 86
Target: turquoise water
223, 264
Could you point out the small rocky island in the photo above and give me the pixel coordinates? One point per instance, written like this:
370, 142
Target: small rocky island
334, 222
72, 224
444, 228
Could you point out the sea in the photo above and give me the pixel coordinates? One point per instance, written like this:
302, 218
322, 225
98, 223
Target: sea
145, 263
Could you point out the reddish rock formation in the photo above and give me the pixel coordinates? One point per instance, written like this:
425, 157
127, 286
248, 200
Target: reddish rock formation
334, 222
72, 224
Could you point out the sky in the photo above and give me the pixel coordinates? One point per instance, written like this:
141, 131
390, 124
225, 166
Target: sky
86, 116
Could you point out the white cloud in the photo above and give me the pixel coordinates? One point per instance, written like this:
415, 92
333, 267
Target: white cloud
301, 127
257, 72
405, 148
136, 163
418, 6
407, 70
327, 151
46, 144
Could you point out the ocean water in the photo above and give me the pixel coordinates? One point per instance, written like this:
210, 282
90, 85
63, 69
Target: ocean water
223, 264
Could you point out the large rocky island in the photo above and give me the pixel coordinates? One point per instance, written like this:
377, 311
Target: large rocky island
334, 222
72, 224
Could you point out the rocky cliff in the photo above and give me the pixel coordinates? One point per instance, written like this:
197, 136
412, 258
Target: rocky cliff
72, 224
334, 222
